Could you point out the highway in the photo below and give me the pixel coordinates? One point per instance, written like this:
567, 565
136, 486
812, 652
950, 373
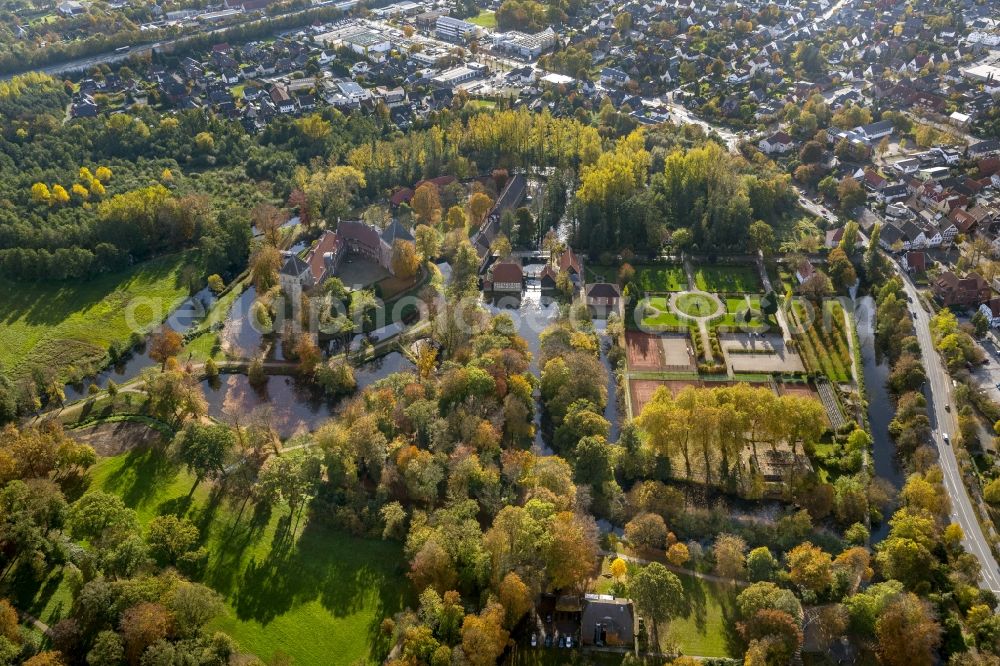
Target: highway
938, 393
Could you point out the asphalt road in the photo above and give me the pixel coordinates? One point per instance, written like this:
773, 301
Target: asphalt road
938, 393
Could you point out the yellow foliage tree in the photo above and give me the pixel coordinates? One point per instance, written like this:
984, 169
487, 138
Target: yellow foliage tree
103, 174
40, 193
59, 195
80, 192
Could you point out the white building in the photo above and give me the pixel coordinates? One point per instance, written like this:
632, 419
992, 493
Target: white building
779, 142
456, 75
452, 29
525, 46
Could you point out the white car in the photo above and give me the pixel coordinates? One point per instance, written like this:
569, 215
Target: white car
944, 436
534, 640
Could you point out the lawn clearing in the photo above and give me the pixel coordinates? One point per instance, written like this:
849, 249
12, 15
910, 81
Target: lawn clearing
62, 325
704, 628
485, 19
696, 305
727, 279
291, 584
654, 278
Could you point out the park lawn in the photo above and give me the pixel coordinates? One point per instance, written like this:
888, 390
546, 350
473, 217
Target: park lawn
291, 584
665, 315
661, 278
481, 104
653, 278
485, 19
729, 279
705, 630
71, 324
203, 347
664, 319
704, 627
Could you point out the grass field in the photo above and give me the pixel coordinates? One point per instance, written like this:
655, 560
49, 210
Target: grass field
485, 19
663, 315
739, 279
66, 324
704, 629
648, 277
735, 309
290, 584
696, 305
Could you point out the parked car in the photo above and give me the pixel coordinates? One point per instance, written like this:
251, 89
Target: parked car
562, 641
534, 640
548, 641
569, 641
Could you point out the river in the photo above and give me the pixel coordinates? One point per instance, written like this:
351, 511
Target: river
880, 406
533, 311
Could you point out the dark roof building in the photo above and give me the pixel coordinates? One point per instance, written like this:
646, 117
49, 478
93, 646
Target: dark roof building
607, 621
969, 291
396, 231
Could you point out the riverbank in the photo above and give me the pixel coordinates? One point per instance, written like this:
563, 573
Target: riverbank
68, 327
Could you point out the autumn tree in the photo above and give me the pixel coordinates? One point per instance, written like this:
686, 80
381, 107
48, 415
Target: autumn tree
426, 204
483, 636
141, 626
404, 261
907, 632
479, 205
268, 219
165, 344
647, 530
850, 194
678, 554
571, 552
456, 217
728, 551
810, 568
516, 599
264, 266
427, 241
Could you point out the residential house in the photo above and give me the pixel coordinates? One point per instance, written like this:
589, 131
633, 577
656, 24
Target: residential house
281, 100
607, 621
547, 278
804, 271
915, 261
970, 291
505, 276
779, 142
876, 131
603, 297
615, 77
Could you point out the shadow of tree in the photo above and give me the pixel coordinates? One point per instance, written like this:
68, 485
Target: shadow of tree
308, 563
145, 472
